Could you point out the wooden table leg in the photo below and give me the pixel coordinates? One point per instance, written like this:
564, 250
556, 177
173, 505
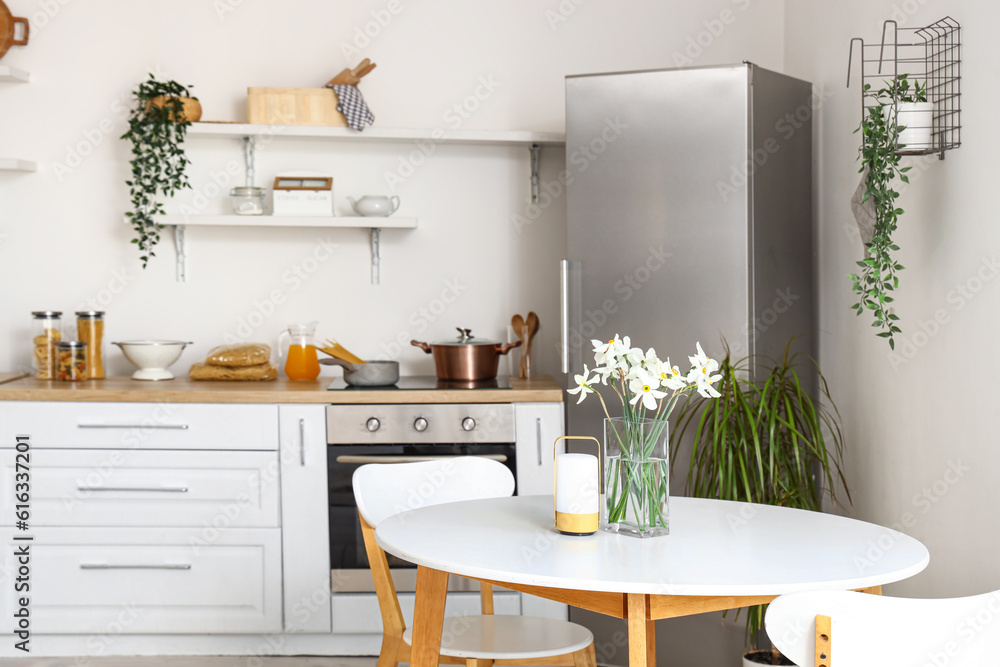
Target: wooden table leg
428, 616
641, 632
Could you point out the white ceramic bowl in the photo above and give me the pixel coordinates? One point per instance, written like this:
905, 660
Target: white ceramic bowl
153, 357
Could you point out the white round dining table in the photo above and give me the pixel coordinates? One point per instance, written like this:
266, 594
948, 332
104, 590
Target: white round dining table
718, 555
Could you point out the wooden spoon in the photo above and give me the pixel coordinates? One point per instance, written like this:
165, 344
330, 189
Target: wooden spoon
517, 322
532, 328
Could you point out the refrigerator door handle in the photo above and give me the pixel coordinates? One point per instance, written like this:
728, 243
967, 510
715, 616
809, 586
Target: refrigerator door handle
569, 294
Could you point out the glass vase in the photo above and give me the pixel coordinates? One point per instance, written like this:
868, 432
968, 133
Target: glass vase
636, 477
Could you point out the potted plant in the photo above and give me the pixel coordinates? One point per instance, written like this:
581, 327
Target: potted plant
765, 441
880, 163
636, 455
157, 126
914, 117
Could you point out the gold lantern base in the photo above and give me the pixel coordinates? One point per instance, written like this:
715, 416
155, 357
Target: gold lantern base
577, 524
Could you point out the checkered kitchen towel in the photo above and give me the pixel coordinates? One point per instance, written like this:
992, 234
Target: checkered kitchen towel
352, 105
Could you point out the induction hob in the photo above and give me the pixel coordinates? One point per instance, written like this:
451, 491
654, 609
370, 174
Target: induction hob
425, 383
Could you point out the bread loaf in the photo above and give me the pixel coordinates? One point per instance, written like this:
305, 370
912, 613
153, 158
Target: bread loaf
258, 372
239, 355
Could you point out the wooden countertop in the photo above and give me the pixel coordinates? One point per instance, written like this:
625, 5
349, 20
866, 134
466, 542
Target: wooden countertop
543, 389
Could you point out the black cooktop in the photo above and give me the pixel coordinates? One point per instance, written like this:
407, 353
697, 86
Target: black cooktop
423, 383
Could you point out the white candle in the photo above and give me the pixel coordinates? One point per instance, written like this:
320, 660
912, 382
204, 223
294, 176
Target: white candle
577, 484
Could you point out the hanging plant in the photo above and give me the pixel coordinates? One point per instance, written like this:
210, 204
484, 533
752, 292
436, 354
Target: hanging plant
157, 127
880, 163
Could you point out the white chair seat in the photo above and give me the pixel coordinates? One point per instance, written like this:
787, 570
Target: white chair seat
508, 637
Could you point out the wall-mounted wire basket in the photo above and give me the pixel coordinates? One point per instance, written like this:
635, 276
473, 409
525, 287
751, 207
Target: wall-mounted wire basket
930, 56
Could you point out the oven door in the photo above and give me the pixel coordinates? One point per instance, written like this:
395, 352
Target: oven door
348, 559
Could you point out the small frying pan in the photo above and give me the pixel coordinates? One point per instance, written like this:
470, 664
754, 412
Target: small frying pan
369, 374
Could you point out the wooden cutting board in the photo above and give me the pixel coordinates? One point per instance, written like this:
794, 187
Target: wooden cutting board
7, 25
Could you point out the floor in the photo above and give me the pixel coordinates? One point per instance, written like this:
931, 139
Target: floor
233, 661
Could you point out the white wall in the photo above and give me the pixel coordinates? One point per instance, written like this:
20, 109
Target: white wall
921, 423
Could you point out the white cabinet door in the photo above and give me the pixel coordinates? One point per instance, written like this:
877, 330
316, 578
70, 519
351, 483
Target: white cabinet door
100, 581
122, 487
537, 426
140, 425
305, 518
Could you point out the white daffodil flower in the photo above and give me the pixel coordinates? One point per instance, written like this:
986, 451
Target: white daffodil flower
582, 385
606, 352
645, 388
702, 360
705, 387
670, 376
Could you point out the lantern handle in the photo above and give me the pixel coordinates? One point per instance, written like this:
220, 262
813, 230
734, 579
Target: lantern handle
555, 461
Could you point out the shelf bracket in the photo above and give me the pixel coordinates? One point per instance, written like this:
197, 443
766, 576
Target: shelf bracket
534, 149
376, 255
250, 148
181, 257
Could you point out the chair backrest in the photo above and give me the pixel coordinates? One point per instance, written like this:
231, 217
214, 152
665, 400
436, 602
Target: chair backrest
384, 489
869, 630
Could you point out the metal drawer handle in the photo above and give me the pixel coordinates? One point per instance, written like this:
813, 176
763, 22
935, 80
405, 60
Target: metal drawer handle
410, 459
302, 442
171, 427
159, 489
104, 566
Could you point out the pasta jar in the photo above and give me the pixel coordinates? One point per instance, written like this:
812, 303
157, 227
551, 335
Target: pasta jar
46, 332
90, 330
71, 362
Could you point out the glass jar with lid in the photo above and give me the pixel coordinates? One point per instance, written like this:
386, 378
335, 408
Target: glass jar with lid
248, 200
90, 330
46, 331
71, 360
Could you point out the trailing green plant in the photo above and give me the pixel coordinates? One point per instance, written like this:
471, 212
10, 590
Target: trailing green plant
880, 162
766, 441
158, 161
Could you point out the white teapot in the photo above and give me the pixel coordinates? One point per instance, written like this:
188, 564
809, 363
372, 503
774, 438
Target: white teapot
374, 206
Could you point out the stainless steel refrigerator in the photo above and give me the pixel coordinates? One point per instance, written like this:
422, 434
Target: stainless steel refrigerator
689, 216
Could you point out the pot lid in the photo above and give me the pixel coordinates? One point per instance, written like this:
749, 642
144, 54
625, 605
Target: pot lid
465, 337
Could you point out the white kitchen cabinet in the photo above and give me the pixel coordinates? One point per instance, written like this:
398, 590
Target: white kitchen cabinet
115, 487
198, 426
537, 426
150, 581
305, 518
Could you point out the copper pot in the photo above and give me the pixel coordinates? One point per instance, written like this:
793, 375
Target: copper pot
466, 358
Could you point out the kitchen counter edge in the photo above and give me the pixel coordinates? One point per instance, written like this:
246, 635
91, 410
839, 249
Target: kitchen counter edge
542, 389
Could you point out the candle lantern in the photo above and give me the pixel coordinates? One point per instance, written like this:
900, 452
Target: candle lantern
577, 490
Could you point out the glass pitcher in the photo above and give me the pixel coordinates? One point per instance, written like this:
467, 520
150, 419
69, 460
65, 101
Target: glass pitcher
302, 362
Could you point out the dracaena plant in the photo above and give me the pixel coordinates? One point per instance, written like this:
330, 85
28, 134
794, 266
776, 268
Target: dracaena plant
765, 441
880, 162
159, 164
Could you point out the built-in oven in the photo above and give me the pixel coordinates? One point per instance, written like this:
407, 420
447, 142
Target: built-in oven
399, 433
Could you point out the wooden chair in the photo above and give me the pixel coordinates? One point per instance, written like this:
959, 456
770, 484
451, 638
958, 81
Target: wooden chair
849, 629
382, 490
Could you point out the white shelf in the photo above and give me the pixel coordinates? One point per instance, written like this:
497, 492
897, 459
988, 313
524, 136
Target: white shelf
373, 134
13, 164
356, 222
14, 75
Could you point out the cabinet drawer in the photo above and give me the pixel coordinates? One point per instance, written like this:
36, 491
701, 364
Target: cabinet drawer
115, 487
140, 425
358, 613
141, 581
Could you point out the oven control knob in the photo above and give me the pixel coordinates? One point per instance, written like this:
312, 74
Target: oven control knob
468, 423
420, 424
373, 424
